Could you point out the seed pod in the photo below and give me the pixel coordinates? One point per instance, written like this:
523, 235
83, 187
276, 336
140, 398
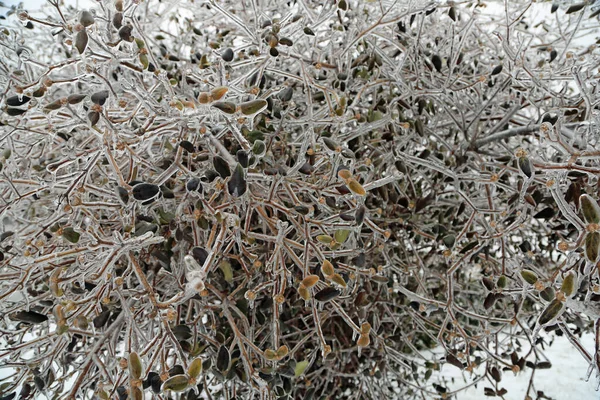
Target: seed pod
310, 281
194, 185
75, 98
553, 310
437, 62
237, 184
253, 107
327, 294
356, 187
118, 20
325, 239
218, 92
548, 293
145, 191
303, 292
15, 101
125, 33
227, 55
529, 276
100, 97
341, 235
177, 383
282, 351
135, 366
327, 268
363, 341
501, 283
30, 317
525, 166
223, 359
568, 284
270, 354
195, 368
496, 70
589, 208
225, 106
338, 280
359, 216
86, 19
94, 117
592, 244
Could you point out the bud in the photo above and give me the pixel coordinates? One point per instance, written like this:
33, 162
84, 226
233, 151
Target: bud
552, 311
356, 187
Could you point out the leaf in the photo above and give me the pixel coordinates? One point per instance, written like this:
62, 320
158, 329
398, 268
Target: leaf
225, 106
145, 191
496, 70
177, 383
81, 41
568, 284
75, 98
592, 245
575, 8
437, 62
552, 311
356, 187
525, 166
71, 235
225, 267
86, 18
341, 235
300, 368
15, 101
451, 359
99, 97
529, 276
135, 366
327, 294
221, 166
548, 294
218, 92
223, 359
30, 317
195, 368
310, 281
589, 208
237, 185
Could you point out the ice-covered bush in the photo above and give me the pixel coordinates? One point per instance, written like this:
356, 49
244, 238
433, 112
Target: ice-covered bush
294, 198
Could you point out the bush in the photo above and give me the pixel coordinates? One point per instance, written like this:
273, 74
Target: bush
294, 199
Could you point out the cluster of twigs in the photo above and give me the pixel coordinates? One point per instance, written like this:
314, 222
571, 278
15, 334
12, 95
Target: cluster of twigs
293, 199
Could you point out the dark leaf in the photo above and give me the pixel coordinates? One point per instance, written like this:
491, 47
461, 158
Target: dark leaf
100, 97
145, 191
223, 359
15, 101
575, 8
546, 213
437, 62
194, 185
30, 317
497, 70
81, 41
227, 55
75, 98
221, 166
94, 117
327, 294
237, 184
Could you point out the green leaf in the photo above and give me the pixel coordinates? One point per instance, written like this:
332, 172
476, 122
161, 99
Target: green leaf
300, 368
70, 235
341, 235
